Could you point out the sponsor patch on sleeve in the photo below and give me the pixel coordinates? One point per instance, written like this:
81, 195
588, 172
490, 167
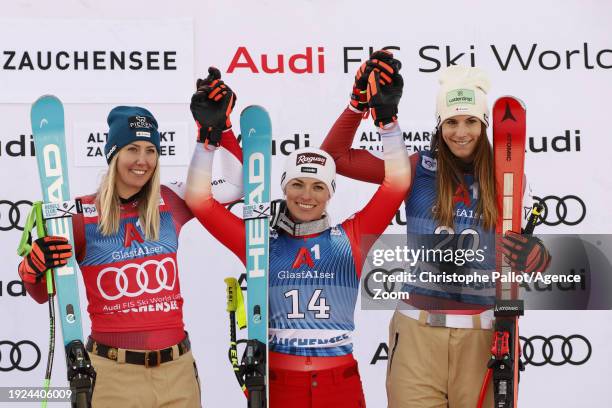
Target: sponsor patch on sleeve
429, 163
89, 210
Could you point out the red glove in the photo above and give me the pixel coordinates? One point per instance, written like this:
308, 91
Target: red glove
47, 252
525, 253
381, 61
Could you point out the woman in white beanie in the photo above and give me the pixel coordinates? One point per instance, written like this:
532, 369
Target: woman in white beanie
315, 267
439, 339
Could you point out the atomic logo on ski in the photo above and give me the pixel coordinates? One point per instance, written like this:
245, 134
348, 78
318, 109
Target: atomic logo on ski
508, 114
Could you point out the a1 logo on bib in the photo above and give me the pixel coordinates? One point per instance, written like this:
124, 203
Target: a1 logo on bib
303, 257
131, 234
462, 196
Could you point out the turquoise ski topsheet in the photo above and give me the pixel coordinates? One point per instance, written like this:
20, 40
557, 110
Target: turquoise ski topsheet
256, 130
47, 116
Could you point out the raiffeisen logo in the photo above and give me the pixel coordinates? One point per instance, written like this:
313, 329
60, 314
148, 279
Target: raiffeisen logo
311, 61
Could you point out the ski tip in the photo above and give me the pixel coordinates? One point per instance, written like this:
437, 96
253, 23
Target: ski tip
254, 119
46, 109
253, 108
507, 98
47, 97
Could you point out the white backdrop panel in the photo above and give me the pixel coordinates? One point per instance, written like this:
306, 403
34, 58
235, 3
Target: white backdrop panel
555, 56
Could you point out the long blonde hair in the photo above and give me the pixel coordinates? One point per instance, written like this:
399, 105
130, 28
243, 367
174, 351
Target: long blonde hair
108, 203
449, 176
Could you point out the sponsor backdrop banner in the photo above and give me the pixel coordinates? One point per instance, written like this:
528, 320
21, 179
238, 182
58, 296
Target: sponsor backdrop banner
298, 60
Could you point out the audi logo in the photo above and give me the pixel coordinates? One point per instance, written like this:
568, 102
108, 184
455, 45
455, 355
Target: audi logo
13, 353
555, 350
11, 216
568, 210
387, 286
122, 283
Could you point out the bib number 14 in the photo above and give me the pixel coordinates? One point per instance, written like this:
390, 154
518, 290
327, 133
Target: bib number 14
316, 304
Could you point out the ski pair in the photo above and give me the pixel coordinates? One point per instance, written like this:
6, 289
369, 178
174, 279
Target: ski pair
47, 118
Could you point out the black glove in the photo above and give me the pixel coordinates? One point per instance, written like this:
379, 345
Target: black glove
47, 252
211, 107
383, 99
525, 253
382, 61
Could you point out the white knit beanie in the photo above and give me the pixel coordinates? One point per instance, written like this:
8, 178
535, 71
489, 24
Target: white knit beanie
310, 162
463, 91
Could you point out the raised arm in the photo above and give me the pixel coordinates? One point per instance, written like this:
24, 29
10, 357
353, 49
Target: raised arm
227, 181
226, 227
370, 222
359, 164
211, 106
366, 225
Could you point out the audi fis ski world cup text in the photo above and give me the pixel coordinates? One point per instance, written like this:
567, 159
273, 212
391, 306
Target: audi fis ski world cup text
312, 59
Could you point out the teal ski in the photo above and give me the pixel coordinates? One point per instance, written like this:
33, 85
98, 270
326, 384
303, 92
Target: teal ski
256, 130
47, 117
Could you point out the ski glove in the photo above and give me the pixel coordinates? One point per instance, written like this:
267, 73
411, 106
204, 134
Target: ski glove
383, 99
211, 106
525, 253
382, 61
47, 252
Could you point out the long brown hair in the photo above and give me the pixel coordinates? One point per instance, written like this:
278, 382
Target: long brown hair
450, 175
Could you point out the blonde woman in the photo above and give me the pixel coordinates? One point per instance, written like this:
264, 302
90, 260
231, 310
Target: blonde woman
125, 243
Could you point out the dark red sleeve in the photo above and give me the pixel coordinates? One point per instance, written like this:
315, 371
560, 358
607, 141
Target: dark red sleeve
357, 164
365, 227
38, 291
230, 143
181, 214
226, 227
78, 231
